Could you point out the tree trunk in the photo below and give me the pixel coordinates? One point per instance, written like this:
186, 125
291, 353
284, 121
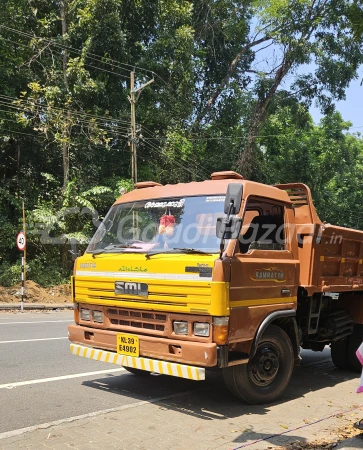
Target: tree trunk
63, 15
231, 70
18, 170
247, 160
65, 155
66, 132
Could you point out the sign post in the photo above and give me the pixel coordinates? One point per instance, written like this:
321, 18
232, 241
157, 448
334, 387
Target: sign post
24, 228
21, 244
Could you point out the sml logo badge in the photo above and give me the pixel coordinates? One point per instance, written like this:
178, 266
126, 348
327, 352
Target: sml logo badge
269, 274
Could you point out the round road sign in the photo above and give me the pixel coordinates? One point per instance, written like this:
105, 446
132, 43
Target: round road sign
21, 241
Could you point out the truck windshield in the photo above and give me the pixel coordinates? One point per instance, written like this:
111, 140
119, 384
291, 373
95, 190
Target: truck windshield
171, 224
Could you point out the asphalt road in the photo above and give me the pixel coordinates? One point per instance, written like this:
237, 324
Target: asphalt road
41, 382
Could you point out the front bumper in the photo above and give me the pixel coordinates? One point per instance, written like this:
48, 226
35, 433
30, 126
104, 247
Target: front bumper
150, 365
187, 352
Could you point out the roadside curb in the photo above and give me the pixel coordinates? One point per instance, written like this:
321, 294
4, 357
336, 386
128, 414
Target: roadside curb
35, 306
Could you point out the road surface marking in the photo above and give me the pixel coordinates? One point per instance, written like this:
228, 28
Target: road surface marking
32, 340
42, 426
36, 321
64, 377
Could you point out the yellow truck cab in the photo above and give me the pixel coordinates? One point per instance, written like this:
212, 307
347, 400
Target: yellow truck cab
181, 278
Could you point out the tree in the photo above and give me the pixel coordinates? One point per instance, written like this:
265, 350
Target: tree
296, 33
65, 113
324, 156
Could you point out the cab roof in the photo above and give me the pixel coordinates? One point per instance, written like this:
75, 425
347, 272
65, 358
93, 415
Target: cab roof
207, 187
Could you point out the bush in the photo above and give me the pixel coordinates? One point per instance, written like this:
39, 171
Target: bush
46, 274
10, 274
42, 273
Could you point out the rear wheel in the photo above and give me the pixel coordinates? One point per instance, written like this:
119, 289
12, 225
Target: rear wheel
339, 353
264, 378
343, 352
354, 341
138, 372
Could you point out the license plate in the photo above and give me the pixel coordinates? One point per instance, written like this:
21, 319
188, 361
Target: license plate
128, 344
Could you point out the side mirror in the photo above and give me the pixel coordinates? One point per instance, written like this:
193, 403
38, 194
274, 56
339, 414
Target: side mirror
228, 228
234, 197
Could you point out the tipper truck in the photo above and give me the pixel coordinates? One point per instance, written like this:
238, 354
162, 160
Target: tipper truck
225, 273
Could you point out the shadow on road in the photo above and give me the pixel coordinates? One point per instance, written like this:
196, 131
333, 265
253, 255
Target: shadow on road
210, 399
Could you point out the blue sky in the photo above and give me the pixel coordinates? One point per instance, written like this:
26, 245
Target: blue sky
351, 109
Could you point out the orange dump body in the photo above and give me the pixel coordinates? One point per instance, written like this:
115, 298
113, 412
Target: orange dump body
330, 257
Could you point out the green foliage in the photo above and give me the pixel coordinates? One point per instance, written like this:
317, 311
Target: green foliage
322, 156
10, 274
46, 273
65, 112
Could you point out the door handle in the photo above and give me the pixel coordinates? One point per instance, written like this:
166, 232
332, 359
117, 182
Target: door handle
286, 292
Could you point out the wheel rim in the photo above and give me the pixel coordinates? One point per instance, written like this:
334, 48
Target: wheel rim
264, 366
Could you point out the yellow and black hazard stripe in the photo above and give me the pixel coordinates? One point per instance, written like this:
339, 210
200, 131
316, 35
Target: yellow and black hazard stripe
150, 365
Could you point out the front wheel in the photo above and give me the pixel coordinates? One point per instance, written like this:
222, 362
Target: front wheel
264, 378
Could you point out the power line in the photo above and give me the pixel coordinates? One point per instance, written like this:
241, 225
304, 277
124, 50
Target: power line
178, 163
203, 169
25, 134
231, 137
83, 63
190, 161
17, 107
78, 114
38, 136
98, 58
187, 159
116, 130
164, 138
122, 66
80, 123
5, 97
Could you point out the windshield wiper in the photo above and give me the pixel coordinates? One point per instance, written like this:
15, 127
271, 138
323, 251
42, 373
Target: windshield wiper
111, 248
177, 250
190, 250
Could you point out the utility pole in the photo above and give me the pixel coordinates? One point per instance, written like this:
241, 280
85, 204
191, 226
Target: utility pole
133, 98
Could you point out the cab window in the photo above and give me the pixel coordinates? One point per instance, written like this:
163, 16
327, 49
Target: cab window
262, 227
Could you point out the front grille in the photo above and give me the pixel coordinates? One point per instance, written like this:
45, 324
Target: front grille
146, 320
162, 295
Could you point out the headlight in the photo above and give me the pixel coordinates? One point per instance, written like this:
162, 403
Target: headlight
201, 329
85, 314
97, 316
180, 328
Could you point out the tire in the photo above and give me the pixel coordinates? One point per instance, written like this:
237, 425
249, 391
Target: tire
343, 351
354, 342
264, 378
339, 353
138, 372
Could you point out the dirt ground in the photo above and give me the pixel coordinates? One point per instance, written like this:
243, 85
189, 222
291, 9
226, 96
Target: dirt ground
342, 433
36, 294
